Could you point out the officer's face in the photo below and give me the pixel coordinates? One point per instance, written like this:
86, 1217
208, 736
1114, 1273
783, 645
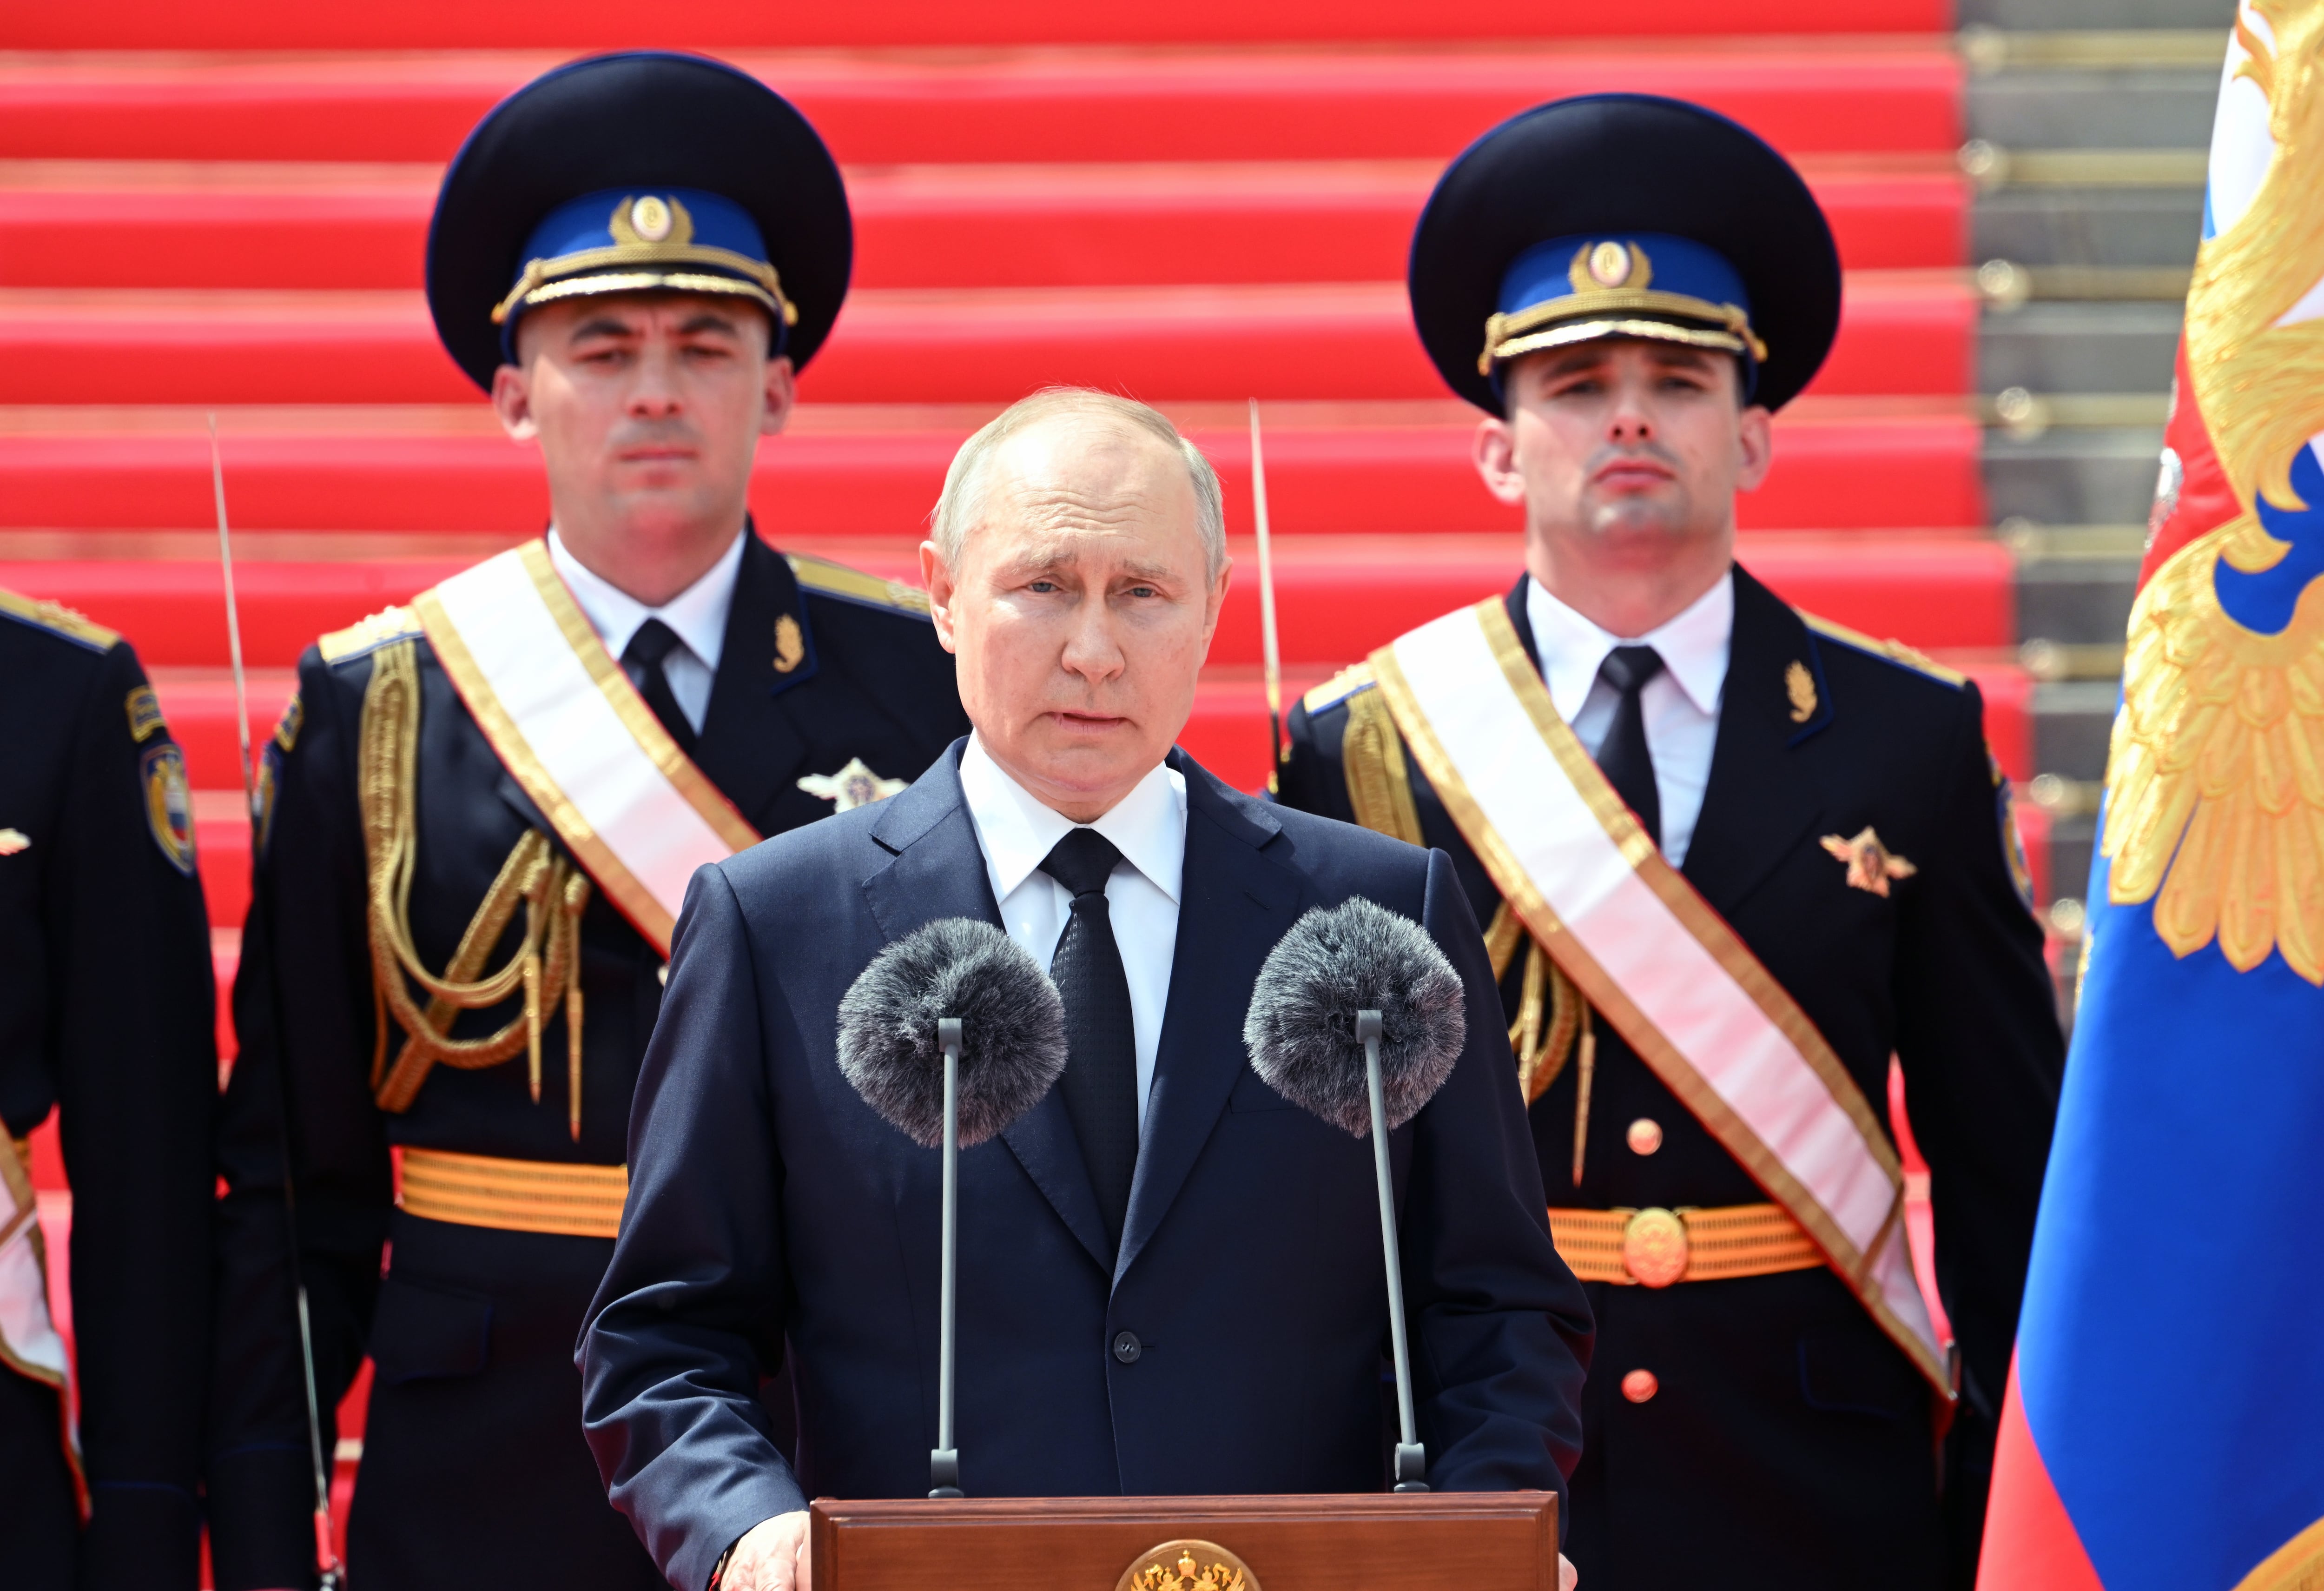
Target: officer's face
1080, 609
648, 408
1631, 446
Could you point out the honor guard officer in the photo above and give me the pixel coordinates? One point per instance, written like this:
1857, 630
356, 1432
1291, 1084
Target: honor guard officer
482, 812
106, 1011
1732, 858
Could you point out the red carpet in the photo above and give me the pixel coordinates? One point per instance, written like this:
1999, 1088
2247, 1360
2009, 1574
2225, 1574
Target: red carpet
576, 25
244, 224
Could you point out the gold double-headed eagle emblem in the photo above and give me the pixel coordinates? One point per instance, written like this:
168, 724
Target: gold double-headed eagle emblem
1187, 1566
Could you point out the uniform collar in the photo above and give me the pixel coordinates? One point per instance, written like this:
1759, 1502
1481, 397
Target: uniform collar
1694, 646
697, 613
1148, 826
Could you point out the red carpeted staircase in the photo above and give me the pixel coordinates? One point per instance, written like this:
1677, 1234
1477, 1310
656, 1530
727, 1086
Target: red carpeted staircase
222, 207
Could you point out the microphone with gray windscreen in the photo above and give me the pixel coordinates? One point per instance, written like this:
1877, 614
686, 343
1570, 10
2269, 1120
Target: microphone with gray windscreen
950, 1034
1359, 1018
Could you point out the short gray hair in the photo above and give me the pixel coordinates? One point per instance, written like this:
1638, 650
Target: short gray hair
963, 500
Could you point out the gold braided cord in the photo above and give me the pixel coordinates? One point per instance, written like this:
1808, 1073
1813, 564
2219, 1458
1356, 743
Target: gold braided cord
2215, 779
1371, 757
549, 888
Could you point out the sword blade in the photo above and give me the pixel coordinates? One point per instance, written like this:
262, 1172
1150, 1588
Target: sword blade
1270, 651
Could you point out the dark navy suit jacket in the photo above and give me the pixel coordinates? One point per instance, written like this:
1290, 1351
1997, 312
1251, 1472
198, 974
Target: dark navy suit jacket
769, 1202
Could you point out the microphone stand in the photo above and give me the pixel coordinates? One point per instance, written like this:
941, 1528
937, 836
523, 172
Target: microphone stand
1411, 1455
944, 1461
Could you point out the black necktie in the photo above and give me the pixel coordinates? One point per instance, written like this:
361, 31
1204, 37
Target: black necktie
642, 663
1100, 1080
1623, 757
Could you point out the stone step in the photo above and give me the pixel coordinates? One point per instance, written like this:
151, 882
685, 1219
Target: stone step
2099, 475
2088, 226
2078, 348
2137, 108
2219, 15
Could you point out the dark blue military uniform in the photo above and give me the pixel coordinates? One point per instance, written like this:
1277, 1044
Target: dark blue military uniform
1758, 1430
105, 1015
626, 173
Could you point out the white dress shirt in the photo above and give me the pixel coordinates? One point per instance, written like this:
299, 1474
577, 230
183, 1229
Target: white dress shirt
1149, 826
697, 615
1679, 705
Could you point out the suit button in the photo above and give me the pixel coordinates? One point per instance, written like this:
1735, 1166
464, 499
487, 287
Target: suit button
1127, 1347
1640, 1386
1645, 1136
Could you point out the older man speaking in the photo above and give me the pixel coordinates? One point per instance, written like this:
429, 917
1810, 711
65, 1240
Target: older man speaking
1169, 1276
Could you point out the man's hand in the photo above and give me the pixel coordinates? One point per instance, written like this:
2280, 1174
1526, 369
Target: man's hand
1566, 1574
771, 1556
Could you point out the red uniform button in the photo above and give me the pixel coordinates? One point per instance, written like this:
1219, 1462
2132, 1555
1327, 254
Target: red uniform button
1640, 1385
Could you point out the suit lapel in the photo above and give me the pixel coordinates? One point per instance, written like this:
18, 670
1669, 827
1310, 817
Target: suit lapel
1759, 800
750, 747
1235, 902
938, 871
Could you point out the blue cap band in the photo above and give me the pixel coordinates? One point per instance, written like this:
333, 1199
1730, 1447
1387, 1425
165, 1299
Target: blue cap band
644, 240
1645, 284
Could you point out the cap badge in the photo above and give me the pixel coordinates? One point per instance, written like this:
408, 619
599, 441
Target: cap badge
652, 218
853, 786
1603, 266
1870, 864
649, 221
1800, 685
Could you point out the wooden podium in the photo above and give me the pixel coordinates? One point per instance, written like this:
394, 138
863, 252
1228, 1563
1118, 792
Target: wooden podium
1430, 1542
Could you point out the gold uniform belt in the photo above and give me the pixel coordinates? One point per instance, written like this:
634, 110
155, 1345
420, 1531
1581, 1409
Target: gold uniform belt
516, 1196
1656, 1247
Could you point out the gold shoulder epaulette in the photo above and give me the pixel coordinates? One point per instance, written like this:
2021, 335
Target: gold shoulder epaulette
825, 578
58, 620
1340, 686
1895, 652
368, 635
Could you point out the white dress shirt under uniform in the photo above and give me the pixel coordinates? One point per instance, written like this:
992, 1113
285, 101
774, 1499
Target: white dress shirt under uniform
1016, 832
697, 615
1679, 705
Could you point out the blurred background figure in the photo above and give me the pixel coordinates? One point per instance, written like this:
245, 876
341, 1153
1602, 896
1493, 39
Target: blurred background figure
106, 1019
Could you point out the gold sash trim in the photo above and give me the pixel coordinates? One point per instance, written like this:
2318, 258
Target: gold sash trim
570, 1199
622, 886
1719, 1244
1856, 1266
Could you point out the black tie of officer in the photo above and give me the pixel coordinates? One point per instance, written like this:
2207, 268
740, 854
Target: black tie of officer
1623, 757
642, 663
1100, 1080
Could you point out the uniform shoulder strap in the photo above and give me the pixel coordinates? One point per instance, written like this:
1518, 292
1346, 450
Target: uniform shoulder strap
826, 578
57, 619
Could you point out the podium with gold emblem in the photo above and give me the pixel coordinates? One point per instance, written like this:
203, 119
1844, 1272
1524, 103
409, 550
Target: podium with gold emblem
1423, 1541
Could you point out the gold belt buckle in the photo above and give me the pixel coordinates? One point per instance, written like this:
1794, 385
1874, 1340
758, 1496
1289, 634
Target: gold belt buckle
1655, 1247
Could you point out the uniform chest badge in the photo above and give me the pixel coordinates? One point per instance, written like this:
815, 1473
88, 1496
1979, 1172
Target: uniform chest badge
1800, 686
1870, 864
170, 805
853, 786
791, 647
12, 841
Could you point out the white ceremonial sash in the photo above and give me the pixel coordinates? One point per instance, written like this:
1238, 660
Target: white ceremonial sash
1652, 955
575, 735
28, 1343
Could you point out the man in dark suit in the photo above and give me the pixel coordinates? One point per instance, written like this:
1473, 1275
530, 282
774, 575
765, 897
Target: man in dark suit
1169, 1277
1707, 830
106, 1011
481, 810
